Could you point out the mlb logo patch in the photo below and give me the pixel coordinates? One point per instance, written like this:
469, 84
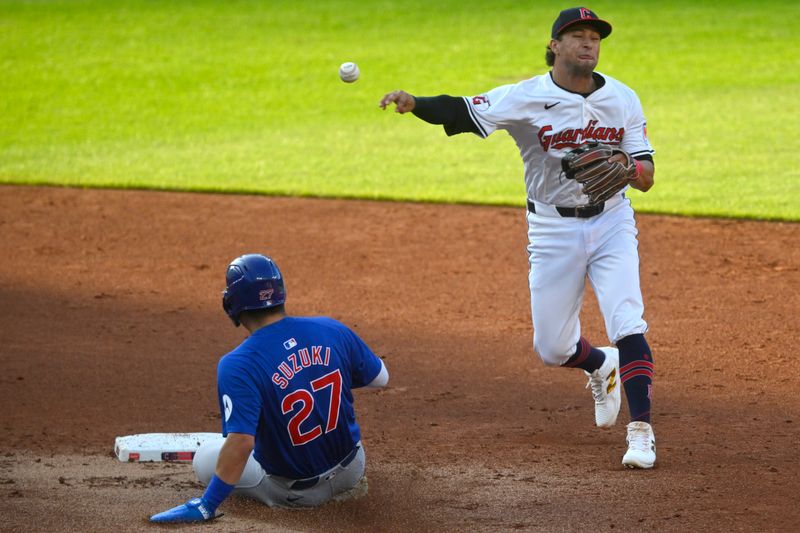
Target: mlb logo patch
289, 344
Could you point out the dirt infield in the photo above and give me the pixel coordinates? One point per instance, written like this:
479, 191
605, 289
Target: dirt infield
111, 324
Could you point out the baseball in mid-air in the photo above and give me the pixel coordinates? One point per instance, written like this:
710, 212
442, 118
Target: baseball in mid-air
349, 72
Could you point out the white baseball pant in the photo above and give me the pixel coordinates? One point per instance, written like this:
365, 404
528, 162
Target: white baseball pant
276, 491
563, 251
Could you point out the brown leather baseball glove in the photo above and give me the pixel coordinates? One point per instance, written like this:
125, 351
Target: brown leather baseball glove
588, 165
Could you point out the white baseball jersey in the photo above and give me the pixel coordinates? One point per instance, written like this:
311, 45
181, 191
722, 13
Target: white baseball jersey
546, 121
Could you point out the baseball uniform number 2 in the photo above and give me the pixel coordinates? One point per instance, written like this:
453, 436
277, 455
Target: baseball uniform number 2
304, 397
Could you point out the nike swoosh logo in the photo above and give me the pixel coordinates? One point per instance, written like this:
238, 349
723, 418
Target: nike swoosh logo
546, 107
291, 499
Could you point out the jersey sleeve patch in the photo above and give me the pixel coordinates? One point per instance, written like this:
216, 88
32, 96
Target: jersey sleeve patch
472, 115
239, 398
481, 102
227, 406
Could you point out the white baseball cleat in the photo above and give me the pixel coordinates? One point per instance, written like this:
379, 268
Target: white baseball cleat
641, 446
604, 383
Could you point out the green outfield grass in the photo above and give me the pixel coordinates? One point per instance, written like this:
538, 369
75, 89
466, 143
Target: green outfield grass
244, 96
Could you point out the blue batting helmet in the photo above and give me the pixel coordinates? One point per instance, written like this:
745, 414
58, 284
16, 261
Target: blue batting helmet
254, 282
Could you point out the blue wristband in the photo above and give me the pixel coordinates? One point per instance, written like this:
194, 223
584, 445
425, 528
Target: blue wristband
216, 491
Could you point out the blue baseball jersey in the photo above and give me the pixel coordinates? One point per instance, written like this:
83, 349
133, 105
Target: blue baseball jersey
289, 385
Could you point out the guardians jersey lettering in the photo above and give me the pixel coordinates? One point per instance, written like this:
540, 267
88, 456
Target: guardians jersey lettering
572, 138
290, 368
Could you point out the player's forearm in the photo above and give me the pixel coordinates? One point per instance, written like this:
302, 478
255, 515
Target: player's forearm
448, 111
644, 181
441, 109
233, 457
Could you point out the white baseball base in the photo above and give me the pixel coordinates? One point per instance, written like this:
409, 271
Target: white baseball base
157, 447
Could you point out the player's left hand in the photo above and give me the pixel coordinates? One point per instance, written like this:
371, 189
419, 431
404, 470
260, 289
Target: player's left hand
195, 510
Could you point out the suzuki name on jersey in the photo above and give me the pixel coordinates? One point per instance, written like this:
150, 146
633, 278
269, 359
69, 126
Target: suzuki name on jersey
296, 362
572, 138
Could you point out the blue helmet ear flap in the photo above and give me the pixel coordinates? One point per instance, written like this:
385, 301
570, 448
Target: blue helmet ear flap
228, 307
253, 282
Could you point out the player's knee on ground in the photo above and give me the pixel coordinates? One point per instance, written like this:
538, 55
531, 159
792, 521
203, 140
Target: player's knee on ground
553, 354
204, 465
205, 460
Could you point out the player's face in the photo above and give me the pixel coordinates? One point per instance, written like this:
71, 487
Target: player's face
578, 49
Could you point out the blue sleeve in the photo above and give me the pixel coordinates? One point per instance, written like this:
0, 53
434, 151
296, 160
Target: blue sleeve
364, 364
239, 398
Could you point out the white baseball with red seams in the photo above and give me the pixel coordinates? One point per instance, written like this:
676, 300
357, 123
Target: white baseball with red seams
546, 121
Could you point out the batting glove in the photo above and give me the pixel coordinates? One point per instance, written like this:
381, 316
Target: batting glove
195, 510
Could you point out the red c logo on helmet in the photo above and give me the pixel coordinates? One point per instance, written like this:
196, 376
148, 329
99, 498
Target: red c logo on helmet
265, 294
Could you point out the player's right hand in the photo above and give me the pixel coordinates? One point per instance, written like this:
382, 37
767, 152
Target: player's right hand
404, 101
195, 510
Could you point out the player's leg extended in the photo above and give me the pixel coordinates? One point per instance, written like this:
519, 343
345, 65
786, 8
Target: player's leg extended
614, 274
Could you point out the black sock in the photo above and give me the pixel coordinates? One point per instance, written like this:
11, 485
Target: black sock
586, 357
636, 373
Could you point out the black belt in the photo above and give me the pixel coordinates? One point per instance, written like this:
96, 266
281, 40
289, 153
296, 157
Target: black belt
303, 484
581, 211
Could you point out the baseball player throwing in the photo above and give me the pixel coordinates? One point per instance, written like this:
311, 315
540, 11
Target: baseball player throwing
287, 408
576, 228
